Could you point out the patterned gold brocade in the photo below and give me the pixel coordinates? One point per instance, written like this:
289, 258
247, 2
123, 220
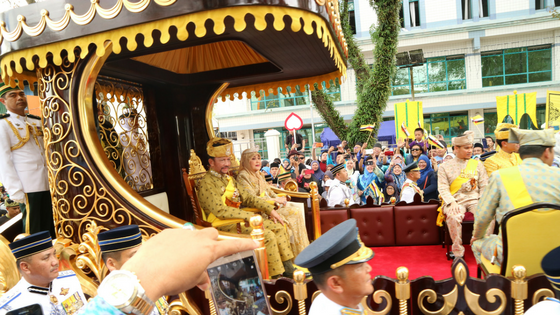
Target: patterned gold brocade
501, 160
256, 185
210, 189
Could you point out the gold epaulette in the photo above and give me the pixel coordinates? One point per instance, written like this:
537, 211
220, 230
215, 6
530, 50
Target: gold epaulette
33, 116
6, 115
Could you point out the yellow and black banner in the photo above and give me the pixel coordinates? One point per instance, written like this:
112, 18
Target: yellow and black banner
552, 109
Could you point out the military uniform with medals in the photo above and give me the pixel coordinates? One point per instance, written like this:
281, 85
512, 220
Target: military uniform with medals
410, 188
24, 171
220, 197
64, 296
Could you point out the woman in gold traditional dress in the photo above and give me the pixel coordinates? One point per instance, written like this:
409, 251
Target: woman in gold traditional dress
251, 179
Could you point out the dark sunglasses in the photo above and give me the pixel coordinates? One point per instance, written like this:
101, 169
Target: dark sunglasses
415, 149
302, 158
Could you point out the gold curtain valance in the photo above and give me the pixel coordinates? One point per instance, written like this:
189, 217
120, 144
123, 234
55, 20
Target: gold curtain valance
300, 20
273, 86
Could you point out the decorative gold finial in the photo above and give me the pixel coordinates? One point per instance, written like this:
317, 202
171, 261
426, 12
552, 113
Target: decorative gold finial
402, 274
393, 200
195, 164
313, 185
299, 276
519, 272
256, 222
346, 202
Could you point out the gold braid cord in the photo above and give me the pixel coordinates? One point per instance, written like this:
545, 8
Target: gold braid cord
22, 141
78, 194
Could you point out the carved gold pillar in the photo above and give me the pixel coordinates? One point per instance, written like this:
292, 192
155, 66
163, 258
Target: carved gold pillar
84, 186
315, 208
208, 295
300, 290
519, 288
257, 234
402, 290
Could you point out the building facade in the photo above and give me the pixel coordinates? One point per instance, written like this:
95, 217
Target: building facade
475, 50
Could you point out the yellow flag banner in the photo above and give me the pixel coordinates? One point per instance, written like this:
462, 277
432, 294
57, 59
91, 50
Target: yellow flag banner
552, 109
516, 105
408, 115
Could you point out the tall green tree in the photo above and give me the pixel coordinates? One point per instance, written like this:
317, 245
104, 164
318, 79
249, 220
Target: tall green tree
373, 86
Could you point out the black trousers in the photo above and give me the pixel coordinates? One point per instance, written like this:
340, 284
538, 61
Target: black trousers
39, 213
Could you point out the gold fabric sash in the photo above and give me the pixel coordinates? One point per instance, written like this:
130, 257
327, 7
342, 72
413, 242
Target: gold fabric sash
515, 187
456, 185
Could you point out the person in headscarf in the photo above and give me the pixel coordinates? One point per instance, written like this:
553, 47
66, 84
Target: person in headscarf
286, 166
369, 182
305, 179
415, 152
327, 176
251, 179
316, 167
352, 181
391, 191
395, 174
428, 180
448, 156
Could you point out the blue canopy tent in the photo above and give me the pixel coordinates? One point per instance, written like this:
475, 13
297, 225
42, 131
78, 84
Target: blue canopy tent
387, 132
329, 139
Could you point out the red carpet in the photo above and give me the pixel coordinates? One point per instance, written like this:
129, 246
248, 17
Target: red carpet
420, 261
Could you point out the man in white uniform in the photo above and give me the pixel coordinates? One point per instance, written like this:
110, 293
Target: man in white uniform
409, 188
118, 246
338, 262
338, 192
24, 171
551, 267
41, 283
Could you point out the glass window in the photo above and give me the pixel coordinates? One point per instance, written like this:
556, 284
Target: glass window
437, 74
490, 122
290, 97
401, 15
517, 65
446, 124
539, 4
414, 6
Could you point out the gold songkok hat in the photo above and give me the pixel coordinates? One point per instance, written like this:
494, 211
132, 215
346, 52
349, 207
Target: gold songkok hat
10, 203
503, 135
543, 138
465, 139
219, 147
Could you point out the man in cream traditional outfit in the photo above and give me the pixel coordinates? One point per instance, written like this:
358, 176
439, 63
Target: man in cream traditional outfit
339, 192
461, 182
338, 262
515, 187
507, 155
24, 171
220, 197
41, 283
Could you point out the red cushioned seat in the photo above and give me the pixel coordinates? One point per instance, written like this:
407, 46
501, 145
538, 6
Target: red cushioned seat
416, 224
469, 216
332, 217
376, 225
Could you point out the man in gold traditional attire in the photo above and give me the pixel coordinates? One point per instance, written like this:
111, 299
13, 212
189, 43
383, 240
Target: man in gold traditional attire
460, 184
507, 155
221, 197
515, 187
